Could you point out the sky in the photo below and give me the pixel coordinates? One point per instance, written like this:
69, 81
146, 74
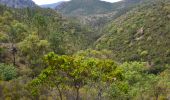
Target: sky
40, 2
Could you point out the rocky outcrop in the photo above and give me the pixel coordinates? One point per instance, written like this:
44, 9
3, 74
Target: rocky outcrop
18, 3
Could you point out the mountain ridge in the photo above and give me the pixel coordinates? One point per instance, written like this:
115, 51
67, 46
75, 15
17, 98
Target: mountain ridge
52, 5
85, 7
18, 3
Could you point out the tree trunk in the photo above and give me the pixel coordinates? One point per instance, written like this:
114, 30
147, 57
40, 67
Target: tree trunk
60, 93
141, 96
14, 51
77, 93
100, 94
157, 96
1, 94
14, 59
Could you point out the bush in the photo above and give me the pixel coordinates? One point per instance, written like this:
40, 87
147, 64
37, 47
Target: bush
144, 53
7, 72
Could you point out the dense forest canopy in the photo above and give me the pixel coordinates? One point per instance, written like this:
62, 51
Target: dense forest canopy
105, 51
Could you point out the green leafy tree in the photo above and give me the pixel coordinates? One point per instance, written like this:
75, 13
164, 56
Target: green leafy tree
33, 48
40, 23
138, 84
76, 72
70, 71
7, 72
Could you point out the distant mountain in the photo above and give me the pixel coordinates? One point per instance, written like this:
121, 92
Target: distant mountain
85, 7
53, 5
18, 3
92, 7
98, 21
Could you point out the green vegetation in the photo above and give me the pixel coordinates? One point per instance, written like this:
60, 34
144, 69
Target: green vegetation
46, 56
39, 31
85, 7
96, 13
140, 35
75, 72
7, 72
138, 84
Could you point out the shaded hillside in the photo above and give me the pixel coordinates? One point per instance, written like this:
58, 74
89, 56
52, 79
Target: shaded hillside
18, 3
98, 20
142, 34
53, 6
92, 7
85, 7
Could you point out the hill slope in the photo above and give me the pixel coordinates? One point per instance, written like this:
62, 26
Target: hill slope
52, 6
92, 7
27, 29
143, 34
95, 19
85, 7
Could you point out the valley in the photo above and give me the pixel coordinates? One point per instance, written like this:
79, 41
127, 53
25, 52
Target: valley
85, 49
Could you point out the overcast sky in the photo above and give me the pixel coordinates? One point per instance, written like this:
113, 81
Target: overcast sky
40, 2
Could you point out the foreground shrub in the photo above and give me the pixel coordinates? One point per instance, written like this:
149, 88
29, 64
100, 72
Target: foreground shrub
7, 72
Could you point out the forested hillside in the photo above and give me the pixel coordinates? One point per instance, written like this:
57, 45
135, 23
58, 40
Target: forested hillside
46, 55
96, 13
85, 7
141, 35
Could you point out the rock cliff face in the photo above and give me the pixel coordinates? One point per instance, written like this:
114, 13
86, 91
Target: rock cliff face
18, 3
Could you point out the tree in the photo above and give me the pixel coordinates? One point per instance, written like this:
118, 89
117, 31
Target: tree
56, 40
40, 23
7, 72
104, 74
67, 70
33, 48
138, 84
75, 71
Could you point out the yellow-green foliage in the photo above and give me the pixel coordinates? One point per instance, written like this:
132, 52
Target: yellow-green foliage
75, 72
145, 28
7, 72
70, 71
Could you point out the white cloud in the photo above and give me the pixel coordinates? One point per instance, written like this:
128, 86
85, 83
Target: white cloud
40, 2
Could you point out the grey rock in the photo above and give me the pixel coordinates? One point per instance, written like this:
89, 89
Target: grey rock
18, 3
